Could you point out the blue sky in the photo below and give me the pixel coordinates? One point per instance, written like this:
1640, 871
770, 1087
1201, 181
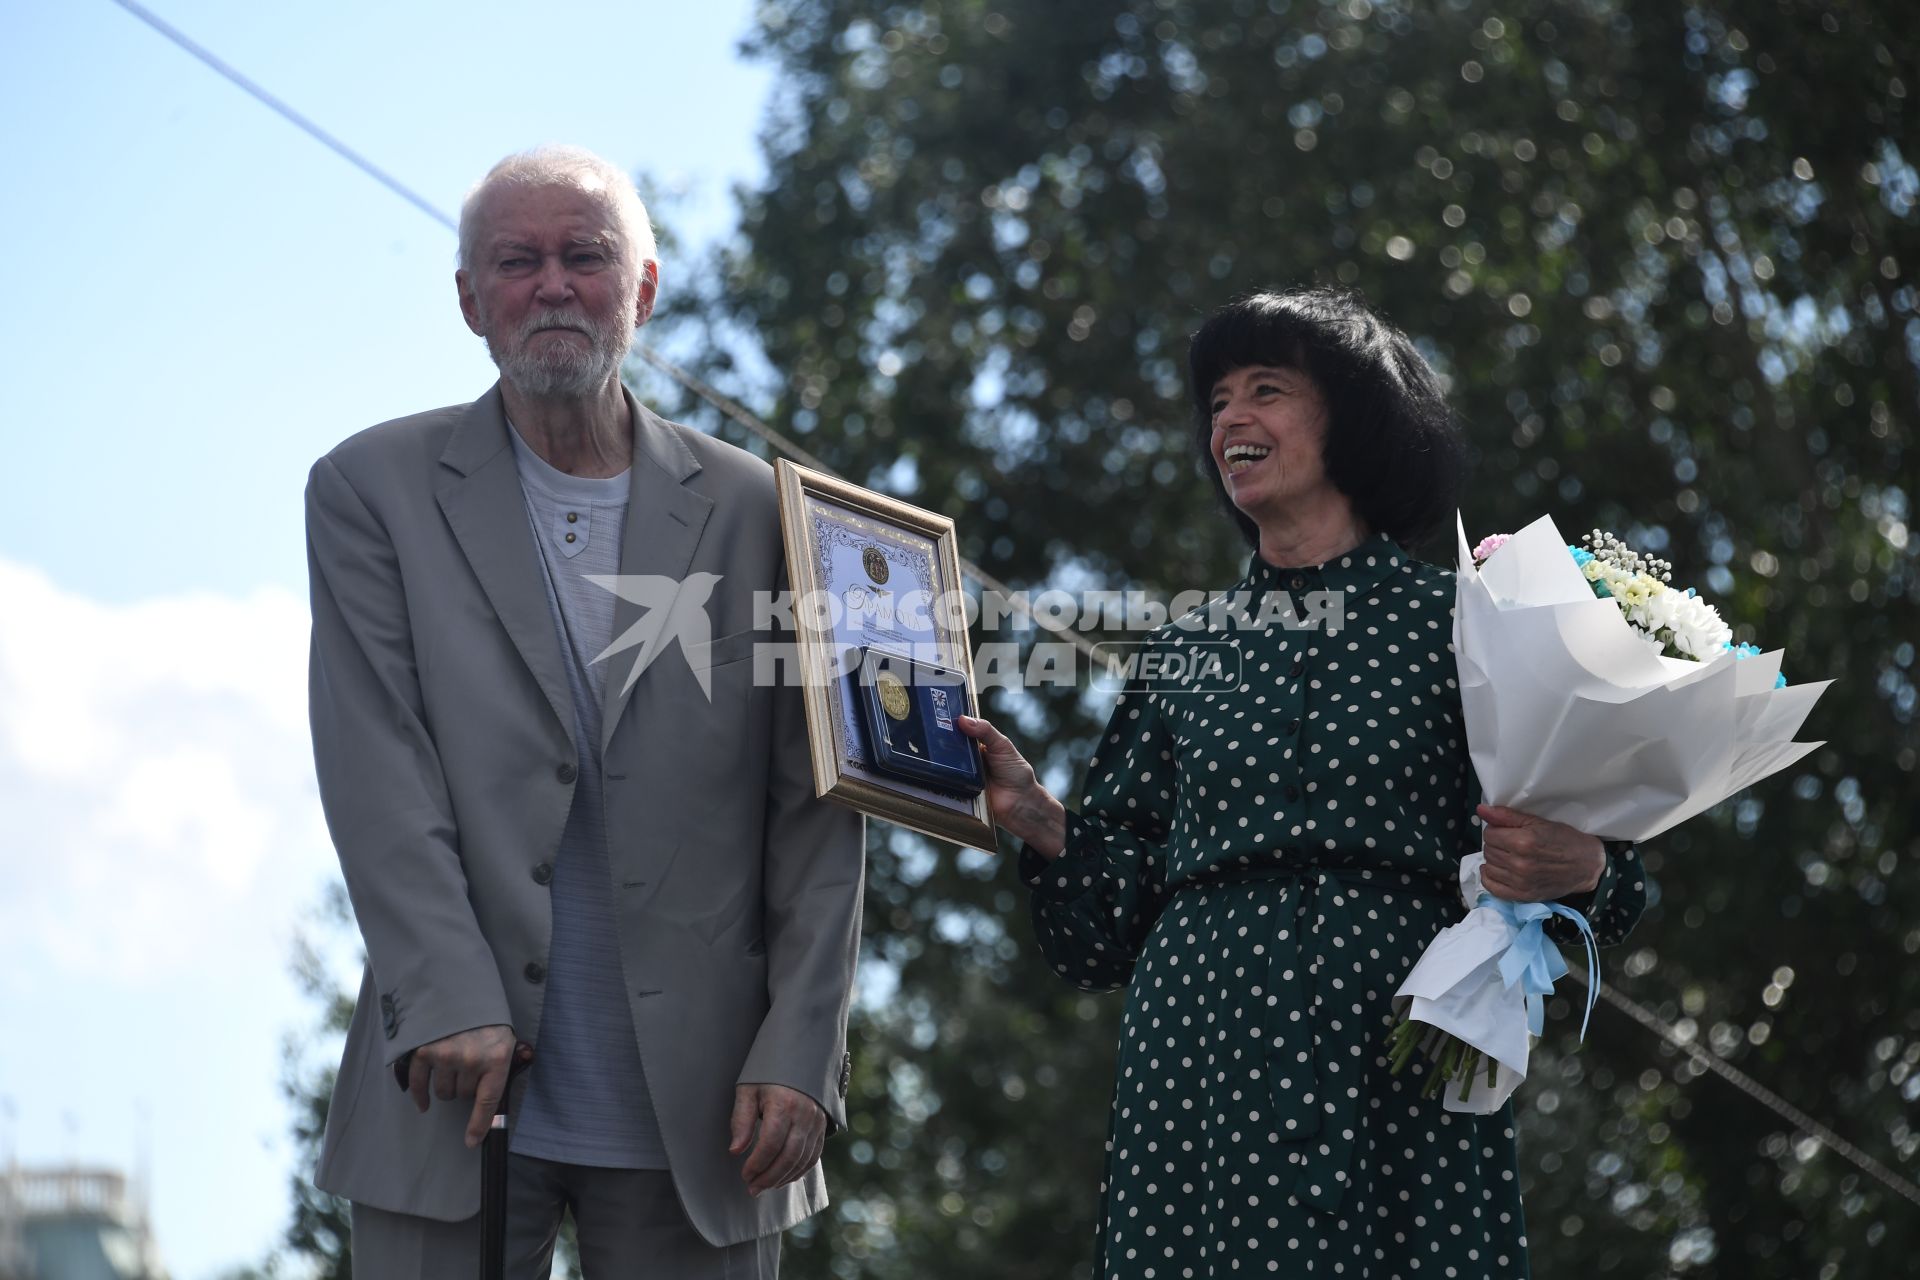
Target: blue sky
203, 301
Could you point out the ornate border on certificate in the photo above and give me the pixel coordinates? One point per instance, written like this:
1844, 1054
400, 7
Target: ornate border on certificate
890, 573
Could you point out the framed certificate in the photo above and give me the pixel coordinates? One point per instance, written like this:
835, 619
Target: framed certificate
881, 631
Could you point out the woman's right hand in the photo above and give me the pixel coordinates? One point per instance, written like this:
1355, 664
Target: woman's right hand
1024, 808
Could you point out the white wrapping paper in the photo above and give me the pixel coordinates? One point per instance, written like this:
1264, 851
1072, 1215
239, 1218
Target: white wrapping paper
1572, 716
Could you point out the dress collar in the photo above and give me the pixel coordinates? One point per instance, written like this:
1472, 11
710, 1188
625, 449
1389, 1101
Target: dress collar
1359, 570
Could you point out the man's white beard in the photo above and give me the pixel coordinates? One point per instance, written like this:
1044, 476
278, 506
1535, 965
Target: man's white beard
562, 371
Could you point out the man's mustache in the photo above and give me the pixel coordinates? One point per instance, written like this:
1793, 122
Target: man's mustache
554, 320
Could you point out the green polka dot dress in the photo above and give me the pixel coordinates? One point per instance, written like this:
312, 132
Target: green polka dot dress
1260, 868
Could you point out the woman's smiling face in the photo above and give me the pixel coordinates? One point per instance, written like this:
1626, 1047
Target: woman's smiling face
1268, 439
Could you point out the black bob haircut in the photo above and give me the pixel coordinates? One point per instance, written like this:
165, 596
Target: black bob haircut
1393, 446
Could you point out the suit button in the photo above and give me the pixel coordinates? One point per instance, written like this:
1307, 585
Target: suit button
535, 971
566, 772
543, 873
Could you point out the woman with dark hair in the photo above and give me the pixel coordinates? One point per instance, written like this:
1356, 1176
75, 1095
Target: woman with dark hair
1260, 866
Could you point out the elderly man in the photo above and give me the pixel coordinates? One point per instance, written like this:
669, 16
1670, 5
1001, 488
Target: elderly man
566, 813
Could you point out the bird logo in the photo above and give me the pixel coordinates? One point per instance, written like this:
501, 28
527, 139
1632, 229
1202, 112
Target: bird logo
672, 609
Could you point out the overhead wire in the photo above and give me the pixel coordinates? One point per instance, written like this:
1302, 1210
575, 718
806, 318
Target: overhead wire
288, 114
1690, 1046
739, 414
728, 407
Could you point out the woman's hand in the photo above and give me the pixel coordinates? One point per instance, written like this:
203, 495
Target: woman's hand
1019, 803
1530, 859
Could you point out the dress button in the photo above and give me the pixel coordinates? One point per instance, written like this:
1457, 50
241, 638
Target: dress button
567, 773
543, 873
1298, 666
1293, 727
1297, 582
1291, 793
535, 971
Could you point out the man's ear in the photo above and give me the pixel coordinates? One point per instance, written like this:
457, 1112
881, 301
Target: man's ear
469, 301
649, 290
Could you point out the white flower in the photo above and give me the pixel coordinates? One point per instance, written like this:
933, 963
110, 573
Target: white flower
1662, 610
1698, 631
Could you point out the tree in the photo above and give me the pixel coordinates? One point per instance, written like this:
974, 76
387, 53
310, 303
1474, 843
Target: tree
320, 1230
1664, 254
318, 1241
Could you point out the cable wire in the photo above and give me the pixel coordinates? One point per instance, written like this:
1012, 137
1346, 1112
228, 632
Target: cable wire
731, 409
738, 413
726, 406
287, 113
1754, 1089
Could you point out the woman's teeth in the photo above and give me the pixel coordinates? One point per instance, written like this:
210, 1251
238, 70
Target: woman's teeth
1241, 456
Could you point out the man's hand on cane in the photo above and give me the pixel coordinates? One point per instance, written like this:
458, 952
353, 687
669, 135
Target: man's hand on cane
467, 1064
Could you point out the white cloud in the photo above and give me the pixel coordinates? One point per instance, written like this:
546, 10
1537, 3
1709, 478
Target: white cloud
157, 807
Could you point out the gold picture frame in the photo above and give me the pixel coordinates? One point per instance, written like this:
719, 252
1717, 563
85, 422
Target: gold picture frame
863, 566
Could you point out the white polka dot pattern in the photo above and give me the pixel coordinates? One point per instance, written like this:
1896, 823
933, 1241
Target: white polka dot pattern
1260, 869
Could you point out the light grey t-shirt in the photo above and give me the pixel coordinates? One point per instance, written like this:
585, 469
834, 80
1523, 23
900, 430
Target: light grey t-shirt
586, 1100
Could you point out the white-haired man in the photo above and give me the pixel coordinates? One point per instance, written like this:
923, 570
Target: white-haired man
610, 851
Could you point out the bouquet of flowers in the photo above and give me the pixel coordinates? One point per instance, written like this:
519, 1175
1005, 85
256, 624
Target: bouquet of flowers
1595, 694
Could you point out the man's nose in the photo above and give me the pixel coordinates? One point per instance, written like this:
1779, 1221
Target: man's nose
553, 283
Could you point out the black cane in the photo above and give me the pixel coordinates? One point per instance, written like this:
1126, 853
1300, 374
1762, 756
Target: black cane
493, 1176
493, 1166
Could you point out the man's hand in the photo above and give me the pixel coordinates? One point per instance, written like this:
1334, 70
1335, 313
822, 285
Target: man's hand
1532, 860
468, 1064
782, 1131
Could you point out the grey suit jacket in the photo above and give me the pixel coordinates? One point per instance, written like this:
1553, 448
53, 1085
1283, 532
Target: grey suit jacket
440, 713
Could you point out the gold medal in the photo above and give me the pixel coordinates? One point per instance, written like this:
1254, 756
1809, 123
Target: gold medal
893, 695
875, 564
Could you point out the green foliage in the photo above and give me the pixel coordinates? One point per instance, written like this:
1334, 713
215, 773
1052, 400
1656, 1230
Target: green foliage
1665, 253
318, 1241
319, 1233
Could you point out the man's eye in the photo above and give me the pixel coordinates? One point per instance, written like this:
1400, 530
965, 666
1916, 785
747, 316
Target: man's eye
512, 264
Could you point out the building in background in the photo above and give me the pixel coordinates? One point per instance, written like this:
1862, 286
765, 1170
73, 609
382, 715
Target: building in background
74, 1224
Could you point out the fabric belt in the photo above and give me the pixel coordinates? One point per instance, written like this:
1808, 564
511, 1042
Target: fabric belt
1318, 1087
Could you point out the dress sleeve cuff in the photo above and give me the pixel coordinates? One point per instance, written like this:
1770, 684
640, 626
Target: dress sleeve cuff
1071, 875
1596, 903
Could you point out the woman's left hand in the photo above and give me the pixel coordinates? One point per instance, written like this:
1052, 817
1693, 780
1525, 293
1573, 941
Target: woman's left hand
1530, 859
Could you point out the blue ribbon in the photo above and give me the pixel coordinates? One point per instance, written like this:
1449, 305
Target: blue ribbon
1533, 961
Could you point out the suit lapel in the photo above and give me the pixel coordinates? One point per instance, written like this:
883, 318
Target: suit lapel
664, 522
486, 508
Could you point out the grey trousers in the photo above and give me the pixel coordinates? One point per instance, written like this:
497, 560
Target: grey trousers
629, 1223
